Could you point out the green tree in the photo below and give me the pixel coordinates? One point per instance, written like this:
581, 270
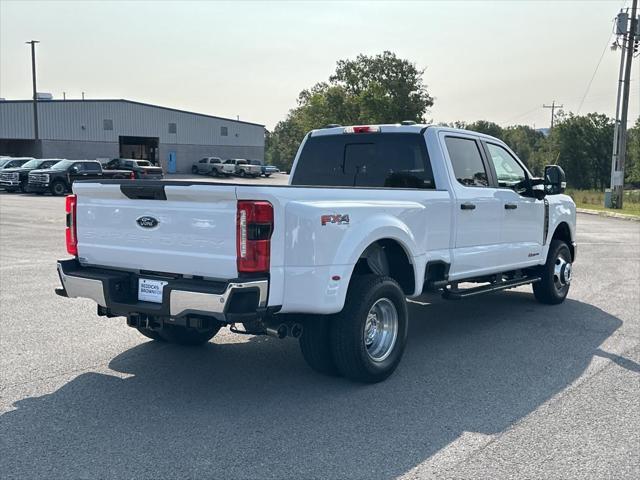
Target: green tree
370, 89
528, 145
486, 127
583, 148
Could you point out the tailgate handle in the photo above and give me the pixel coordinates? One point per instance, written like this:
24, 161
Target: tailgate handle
144, 192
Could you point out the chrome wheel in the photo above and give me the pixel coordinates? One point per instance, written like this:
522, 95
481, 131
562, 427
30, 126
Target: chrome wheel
561, 273
381, 329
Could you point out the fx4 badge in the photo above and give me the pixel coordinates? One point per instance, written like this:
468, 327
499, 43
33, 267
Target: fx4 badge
336, 219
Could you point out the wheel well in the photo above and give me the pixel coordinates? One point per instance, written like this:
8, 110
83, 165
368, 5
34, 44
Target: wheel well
387, 257
563, 233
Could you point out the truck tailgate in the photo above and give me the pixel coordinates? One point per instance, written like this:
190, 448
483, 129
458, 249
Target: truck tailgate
191, 232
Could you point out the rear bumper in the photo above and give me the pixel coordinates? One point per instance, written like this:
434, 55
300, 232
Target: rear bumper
118, 292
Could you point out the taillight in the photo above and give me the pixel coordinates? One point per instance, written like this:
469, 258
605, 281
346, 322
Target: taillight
362, 129
132, 176
254, 225
71, 231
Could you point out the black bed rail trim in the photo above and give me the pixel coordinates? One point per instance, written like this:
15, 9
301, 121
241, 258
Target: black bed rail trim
144, 192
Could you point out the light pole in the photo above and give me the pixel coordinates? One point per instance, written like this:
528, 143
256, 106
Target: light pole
35, 92
620, 133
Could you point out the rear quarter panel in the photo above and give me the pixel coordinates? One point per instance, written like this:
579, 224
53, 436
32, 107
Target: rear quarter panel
306, 255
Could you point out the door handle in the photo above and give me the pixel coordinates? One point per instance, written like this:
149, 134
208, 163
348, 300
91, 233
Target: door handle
510, 206
467, 206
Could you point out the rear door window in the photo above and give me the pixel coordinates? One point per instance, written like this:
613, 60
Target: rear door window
387, 160
467, 162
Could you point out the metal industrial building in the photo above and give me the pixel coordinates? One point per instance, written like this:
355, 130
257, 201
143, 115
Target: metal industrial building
90, 129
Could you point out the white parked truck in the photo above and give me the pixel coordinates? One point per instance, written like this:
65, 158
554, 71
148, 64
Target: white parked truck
372, 215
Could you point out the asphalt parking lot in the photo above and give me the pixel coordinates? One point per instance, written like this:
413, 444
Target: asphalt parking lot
493, 387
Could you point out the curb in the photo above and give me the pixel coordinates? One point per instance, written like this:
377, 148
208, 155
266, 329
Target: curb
601, 213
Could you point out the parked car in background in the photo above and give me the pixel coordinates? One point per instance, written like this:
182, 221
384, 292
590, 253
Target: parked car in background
14, 179
208, 166
267, 170
142, 169
241, 168
9, 162
59, 178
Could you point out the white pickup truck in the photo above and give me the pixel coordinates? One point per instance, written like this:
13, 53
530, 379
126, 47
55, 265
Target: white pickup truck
372, 215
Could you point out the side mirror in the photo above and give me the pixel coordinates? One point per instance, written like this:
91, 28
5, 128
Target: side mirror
554, 180
73, 170
538, 191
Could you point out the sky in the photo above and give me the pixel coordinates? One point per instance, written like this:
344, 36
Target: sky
492, 60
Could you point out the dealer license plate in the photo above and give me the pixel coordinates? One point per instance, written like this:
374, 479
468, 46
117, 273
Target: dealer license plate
150, 290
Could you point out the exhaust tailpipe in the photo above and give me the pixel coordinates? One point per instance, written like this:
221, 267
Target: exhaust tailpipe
278, 331
295, 330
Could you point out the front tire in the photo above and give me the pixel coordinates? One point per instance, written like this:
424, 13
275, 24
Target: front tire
242, 173
555, 275
369, 335
194, 170
188, 336
58, 188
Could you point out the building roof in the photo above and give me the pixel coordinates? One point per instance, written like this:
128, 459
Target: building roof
122, 100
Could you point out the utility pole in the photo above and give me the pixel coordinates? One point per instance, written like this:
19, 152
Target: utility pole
35, 92
553, 107
620, 134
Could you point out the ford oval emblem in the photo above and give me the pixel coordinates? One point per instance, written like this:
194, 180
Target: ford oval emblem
147, 221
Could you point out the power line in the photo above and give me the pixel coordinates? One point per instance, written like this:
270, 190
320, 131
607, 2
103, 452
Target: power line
595, 72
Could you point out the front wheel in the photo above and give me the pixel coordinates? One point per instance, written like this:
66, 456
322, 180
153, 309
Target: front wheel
369, 335
58, 188
555, 274
242, 173
194, 170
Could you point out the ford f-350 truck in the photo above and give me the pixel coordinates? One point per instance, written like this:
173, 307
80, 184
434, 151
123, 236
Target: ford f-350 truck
373, 215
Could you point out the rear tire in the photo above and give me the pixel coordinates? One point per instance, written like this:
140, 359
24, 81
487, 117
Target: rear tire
188, 336
555, 275
58, 188
315, 344
369, 335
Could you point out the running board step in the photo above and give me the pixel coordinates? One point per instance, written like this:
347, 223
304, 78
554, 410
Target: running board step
457, 294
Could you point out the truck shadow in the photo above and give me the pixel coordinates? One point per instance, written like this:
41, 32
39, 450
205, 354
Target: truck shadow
254, 410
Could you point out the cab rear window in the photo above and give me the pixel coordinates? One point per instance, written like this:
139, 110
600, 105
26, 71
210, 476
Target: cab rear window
383, 160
